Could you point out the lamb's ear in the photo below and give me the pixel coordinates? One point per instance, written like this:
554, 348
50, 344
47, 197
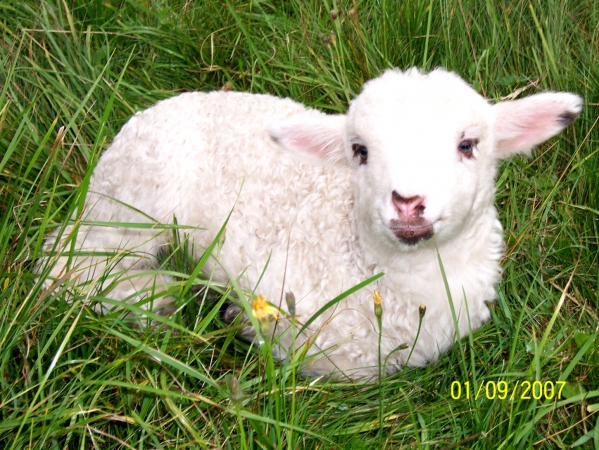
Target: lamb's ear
320, 135
522, 124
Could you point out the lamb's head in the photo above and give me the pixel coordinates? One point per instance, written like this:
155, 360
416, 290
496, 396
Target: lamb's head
424, 148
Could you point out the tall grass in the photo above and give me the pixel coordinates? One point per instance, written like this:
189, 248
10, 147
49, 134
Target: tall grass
73, 72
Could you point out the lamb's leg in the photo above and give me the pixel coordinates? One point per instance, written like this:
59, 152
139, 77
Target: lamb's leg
112, 262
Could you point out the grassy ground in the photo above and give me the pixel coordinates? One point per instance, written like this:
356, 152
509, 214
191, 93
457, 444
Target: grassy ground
74, 71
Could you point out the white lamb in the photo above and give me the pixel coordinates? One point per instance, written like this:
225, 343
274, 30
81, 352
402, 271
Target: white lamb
323, 202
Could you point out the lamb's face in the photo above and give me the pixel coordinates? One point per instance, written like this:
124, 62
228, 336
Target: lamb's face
422, 150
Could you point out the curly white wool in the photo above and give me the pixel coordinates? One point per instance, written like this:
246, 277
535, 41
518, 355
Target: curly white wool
327, 201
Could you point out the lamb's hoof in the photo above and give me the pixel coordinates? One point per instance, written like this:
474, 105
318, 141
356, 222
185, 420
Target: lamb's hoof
197, 288
168, 310
230, 312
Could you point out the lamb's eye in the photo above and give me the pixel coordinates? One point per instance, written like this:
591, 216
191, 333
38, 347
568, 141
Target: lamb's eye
466, 147
361, 151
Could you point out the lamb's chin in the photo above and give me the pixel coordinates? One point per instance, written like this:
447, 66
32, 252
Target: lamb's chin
413, 235
412, 231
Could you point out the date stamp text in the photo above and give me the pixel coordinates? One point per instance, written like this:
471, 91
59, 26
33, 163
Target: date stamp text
502, 390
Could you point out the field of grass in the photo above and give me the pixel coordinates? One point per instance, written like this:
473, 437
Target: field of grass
71, 74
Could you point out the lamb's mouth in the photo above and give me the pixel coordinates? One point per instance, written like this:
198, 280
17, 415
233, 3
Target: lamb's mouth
412, 234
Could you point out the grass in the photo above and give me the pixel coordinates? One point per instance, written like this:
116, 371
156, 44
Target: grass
73, 72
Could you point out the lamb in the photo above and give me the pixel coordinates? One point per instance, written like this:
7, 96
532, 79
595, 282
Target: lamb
319, 203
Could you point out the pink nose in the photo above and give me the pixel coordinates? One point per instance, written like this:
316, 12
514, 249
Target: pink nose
408, 207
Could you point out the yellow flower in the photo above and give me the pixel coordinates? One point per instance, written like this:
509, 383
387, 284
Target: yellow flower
262, 310
378, 299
